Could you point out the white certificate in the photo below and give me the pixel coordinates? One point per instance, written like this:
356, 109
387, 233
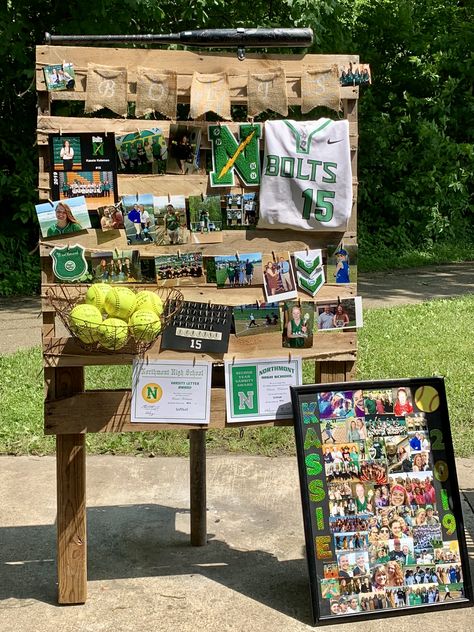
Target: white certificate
171, 391
259, 390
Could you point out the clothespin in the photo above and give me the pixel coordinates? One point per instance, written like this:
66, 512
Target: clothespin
60, 131
51, 202
179, 253
237, 256
307, 251
289, 357
194, 361
273, 255
169, 198
258, 303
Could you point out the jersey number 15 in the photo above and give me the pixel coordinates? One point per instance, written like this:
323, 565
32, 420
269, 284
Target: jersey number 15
323, 209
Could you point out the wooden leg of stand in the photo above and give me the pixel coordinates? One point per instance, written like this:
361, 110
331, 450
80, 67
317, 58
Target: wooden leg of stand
71, 521
197, 456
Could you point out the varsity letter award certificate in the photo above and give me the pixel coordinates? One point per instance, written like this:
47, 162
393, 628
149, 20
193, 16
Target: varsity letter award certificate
171, 391
259, 390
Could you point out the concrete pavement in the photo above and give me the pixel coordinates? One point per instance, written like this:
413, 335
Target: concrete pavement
143, 573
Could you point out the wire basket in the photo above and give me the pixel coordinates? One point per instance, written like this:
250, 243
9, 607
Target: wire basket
133, 338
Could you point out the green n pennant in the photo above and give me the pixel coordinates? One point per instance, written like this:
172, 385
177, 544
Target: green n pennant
230, 155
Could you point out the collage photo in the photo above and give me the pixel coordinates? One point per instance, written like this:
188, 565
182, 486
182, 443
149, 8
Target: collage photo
388, 539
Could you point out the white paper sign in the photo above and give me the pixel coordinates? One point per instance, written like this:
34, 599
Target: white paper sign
259, 390
171, 391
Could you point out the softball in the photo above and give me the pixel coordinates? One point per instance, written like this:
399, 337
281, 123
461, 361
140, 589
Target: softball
149, 301
84, 321
144, 325
112, 333
96, 294
120, 302
427, 399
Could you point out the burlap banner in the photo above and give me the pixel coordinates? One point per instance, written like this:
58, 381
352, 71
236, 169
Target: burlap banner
106, 88
267, 91
156, 92
210, 93
320, 86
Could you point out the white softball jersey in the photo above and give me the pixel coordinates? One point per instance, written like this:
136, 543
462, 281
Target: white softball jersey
306, 176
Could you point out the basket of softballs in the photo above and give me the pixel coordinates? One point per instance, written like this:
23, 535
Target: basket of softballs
115, 318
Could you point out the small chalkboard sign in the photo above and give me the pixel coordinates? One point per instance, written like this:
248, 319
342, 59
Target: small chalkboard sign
381, 506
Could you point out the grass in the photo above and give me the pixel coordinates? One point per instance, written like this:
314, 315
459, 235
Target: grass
433, 338
381, 258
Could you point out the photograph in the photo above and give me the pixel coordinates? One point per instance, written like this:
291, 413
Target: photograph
355, 75
117, 266
99, 187
111, 217
336, 404
59, 77
139, 219
61, 218
85, 152
258, 318
142, 151
241, 210
183, 149
336, 315
341, 264
205, 219
232, 271
385, 425
333, 430
278, 278
298, 323
378, 402
170, 220
178, 270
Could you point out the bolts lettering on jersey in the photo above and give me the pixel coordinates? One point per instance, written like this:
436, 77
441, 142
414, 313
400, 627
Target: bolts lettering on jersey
284, 166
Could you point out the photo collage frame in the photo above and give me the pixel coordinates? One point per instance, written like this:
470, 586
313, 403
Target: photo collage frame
381, 507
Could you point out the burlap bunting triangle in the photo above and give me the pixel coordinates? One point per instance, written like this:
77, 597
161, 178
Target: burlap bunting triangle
106, 88
320, 87
267, 91
156, 92
210, 93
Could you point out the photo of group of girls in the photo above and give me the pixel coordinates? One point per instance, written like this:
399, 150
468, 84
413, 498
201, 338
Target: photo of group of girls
387, 538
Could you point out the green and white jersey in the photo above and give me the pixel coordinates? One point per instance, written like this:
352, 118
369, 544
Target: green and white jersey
306, 176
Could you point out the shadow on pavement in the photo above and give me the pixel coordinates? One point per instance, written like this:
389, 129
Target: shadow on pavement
141, 541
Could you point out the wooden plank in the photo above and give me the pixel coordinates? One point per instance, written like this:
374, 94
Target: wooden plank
66, 352
185, 63
72, 415
68, 125
197, 472
242, 241
71, 519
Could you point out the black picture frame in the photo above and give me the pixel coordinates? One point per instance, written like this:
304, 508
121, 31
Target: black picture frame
428, 421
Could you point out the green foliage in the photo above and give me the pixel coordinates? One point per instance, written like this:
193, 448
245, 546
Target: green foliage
416, 120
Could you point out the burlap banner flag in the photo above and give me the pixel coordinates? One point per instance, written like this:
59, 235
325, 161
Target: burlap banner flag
106, 88
156, 92
320, 86
210, 93
267, 92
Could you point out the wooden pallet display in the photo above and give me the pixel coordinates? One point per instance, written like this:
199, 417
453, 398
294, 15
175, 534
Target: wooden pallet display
68, 407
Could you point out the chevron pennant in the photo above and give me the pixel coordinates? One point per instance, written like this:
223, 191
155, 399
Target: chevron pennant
308, 262
312, 286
